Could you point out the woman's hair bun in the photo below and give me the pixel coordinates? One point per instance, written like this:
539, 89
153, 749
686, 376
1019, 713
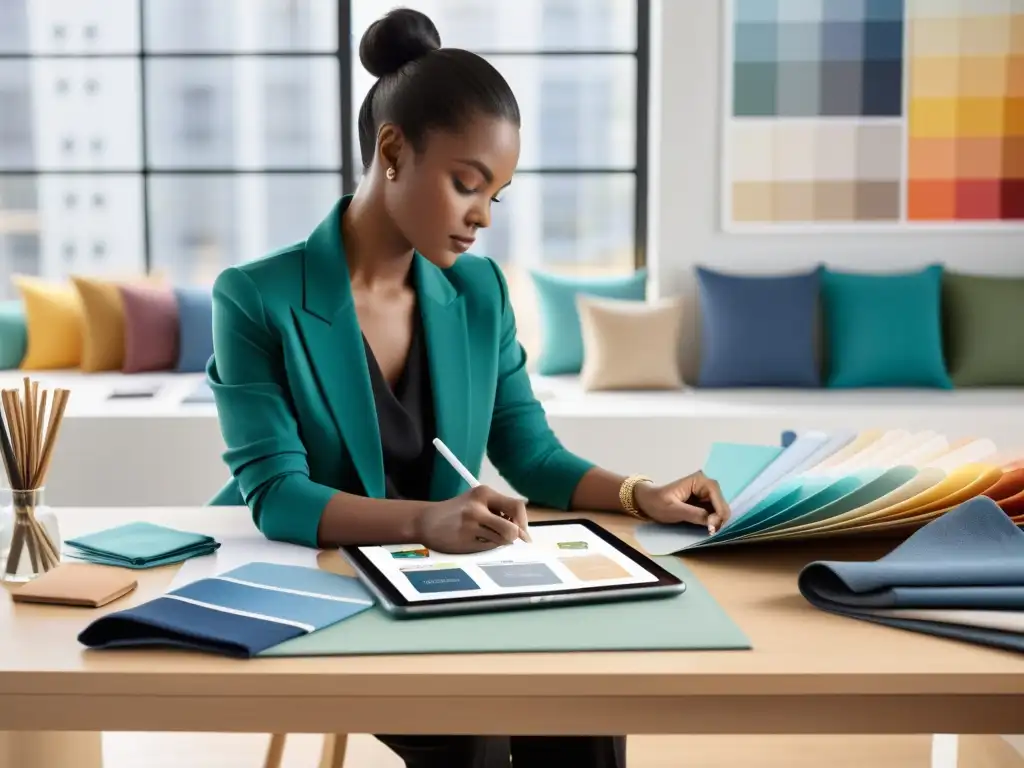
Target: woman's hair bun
394, 40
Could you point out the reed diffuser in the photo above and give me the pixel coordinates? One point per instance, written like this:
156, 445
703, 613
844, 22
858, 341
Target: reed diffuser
30, 541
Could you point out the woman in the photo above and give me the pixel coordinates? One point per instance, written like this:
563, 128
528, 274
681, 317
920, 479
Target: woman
337, 360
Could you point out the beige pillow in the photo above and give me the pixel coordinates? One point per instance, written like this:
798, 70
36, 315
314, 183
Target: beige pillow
630, 344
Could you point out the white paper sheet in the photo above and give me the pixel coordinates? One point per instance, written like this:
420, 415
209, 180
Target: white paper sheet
238, 551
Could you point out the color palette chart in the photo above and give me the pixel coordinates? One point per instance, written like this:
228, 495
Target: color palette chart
873, 113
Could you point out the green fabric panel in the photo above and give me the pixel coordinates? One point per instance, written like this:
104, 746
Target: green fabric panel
691, 621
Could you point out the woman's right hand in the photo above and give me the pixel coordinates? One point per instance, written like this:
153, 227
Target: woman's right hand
475, 521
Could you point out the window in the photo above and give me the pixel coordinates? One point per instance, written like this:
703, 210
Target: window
215, 131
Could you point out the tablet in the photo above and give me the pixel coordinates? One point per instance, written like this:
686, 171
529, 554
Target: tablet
568, 562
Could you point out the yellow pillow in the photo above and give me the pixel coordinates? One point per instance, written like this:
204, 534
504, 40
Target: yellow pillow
103, 327
54, 320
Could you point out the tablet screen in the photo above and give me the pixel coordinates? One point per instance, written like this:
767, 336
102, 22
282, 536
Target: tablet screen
561, 557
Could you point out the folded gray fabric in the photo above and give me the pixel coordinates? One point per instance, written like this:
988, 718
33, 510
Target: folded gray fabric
971, 558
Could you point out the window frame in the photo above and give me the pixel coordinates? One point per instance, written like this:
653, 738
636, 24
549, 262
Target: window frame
346, 56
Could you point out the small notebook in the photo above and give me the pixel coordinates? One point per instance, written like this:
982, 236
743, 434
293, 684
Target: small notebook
238, 613
140, 545
77, 584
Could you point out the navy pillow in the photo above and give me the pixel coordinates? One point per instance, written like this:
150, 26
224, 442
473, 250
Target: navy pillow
759, 331
195, 322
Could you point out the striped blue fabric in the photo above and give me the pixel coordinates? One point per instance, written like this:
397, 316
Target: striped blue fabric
238, 613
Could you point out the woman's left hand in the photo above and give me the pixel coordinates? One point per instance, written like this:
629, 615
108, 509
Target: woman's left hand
678, 502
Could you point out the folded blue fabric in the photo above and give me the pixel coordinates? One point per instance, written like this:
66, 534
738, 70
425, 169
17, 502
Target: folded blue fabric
969, 562
238, 613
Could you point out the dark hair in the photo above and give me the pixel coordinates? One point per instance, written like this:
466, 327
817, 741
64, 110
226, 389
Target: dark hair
422, 86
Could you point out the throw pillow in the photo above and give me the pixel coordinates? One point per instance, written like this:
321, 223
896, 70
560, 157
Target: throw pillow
759, 331
195, 329
104, 330
884, 330
984, 320
561, 339
13, 334
150, 328
630, 344
54, 319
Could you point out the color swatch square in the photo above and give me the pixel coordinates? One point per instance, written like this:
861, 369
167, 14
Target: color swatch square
799, 41
883, 89
835, 201
932, 199
883, 10
756, 10
799, 10
982, 76
883, 40
841, 93
798, 89
515, 575
594, 568
432, 580
1012, 199
934, 77
754, 86
978, 199
879, 152
979, 158
756, 42
933, 158
877, 201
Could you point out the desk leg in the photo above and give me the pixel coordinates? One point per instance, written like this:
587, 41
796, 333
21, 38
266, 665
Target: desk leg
945, 750
51, 749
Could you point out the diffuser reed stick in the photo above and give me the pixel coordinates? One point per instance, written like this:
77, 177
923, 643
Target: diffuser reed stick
27, 438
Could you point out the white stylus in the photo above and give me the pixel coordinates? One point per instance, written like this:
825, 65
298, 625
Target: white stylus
459, 467
456, 464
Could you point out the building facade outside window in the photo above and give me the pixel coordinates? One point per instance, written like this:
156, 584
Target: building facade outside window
187, 135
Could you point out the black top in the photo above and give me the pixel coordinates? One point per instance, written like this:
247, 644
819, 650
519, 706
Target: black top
405, 417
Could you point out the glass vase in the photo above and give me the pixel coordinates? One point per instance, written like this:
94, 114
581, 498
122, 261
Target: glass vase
30, 542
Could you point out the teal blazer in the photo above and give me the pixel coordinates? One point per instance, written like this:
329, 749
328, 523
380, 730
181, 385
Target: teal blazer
296, 409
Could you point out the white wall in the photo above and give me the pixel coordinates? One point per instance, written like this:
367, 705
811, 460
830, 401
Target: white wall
687, 85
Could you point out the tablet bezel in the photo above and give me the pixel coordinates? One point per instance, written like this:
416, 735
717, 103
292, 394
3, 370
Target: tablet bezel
666, 582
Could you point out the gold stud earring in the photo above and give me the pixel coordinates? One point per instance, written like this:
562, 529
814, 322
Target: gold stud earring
391, 173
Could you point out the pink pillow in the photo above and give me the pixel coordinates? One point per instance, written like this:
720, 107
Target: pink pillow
150, 328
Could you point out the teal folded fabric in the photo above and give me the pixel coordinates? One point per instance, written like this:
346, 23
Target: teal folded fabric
140, 545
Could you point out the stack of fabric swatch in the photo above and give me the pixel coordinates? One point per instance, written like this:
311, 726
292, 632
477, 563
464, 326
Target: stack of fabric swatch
139, 545
960, 576
239, 613
843, 483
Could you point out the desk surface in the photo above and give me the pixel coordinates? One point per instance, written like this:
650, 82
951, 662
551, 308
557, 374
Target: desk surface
808, 671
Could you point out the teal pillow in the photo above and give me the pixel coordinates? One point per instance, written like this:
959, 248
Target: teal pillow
13, 335
561, 337
884, 330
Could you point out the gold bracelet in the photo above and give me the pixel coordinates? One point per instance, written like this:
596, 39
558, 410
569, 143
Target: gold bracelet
627, 495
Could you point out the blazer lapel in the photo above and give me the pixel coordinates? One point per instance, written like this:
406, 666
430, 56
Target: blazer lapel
444, 321
334, 348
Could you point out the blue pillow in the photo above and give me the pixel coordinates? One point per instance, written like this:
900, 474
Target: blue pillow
561, 337
884, 330
758, 331
195, 325
13, 335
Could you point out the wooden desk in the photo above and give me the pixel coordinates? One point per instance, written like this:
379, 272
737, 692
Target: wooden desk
809, 672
